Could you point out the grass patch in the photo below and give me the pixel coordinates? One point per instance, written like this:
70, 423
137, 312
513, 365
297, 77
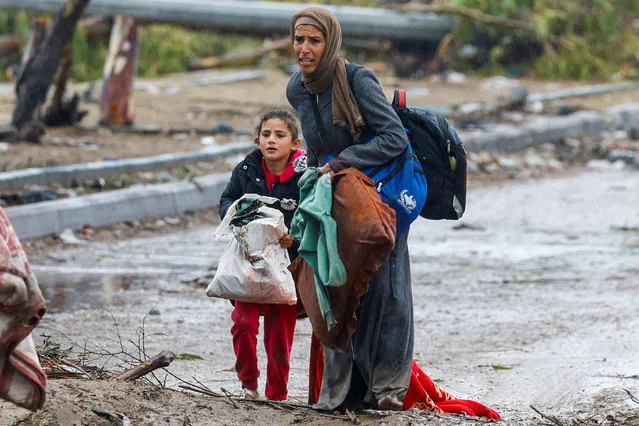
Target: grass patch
625, 228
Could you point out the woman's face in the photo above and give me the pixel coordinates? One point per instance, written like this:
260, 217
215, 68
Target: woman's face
309, 44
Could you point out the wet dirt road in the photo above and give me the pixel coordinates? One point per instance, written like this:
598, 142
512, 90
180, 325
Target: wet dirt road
531, 301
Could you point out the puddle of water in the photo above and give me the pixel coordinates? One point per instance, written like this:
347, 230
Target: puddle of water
70, 292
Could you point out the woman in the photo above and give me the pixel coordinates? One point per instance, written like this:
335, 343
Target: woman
375, 371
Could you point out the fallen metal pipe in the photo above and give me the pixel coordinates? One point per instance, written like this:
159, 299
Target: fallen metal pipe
581, 91
262, 17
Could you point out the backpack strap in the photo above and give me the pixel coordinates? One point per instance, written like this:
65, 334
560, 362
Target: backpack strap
399, 98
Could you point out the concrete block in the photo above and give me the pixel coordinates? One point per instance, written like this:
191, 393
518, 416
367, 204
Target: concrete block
624, 117
502, 138
505, 138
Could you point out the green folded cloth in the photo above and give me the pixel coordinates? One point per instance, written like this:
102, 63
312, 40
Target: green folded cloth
316, 230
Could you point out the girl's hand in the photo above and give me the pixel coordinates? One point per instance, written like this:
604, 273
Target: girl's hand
327, 169
286, 241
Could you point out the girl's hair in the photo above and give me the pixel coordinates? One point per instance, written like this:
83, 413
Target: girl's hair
281, 114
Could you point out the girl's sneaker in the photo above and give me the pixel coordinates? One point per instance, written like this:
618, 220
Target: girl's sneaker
250, 394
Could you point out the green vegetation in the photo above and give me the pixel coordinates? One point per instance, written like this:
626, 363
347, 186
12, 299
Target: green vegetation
501, 367
163, 48
576, 39
188, 357
88, 56
571, 38
626, 228
14, 22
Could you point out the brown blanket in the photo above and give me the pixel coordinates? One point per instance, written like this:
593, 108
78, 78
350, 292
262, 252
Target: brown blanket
365, 238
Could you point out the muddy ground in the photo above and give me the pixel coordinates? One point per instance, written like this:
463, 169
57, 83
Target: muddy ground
530, 300
176, 102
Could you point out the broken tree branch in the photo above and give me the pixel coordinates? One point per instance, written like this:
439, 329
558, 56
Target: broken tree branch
202, 391
30, 127
240, 58
228, 396
349, 416
117, 107
466, 12
632, 397
63, 76
163, 359
37, 72
439, 53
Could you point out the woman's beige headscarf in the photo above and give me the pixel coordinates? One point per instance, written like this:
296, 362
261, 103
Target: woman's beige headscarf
331, 69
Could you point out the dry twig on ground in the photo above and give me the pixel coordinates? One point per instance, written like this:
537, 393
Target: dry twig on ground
549, 417
163, 359
228, 396
632, 397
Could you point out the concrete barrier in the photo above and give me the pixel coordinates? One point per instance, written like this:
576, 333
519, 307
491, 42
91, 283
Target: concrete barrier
106, 208
505, 138
66, 175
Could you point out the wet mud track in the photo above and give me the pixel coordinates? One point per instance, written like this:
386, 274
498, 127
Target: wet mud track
531, 299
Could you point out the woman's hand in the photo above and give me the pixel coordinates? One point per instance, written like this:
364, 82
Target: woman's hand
286, 241
327, 169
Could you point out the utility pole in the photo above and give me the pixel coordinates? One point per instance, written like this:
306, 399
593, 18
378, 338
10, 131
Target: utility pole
119, 73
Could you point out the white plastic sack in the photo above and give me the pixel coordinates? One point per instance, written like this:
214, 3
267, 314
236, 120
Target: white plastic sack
253, 267
225, 226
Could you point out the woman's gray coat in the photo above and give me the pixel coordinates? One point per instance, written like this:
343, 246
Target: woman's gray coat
381, 350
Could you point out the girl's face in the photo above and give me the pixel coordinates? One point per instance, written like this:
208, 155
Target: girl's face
276, 141
309, 44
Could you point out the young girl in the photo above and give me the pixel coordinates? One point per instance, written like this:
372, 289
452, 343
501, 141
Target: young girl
273, 170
